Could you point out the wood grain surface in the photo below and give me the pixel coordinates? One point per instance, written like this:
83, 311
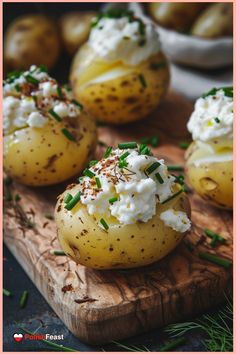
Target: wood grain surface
100, 306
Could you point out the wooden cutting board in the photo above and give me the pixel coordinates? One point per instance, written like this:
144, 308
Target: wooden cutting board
100, 306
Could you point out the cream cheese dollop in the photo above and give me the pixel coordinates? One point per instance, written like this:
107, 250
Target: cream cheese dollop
212, 117
177, 220
28, 97
122, 39
135, 192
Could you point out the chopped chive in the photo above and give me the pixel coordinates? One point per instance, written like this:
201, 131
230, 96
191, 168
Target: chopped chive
142, 80
214, 235
6, 292
189, 245
108, 152
43, 68
17, 198
153, 167
17, 88
173, 344
23, 298
144, 140
122, 164
80, 179
59, 92
215, 259
98, 182
173, 196
68, 135
104, 224
70, 205
113, 200
228, 91
123, 156
32, 80
57, 252
129, 145
77, 104
88, 173
68, 198
179, 179
217, 120
159, 178
34, 98
145, 151
55, 115
93, 162
175, 168
184, 145
154, 141
8, 195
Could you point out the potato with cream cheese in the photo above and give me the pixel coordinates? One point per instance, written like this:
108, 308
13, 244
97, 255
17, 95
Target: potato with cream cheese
120, 75
126, 211
209, 159
48, 138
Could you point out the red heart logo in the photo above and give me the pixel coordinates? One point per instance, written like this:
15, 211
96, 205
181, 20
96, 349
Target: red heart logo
18, 337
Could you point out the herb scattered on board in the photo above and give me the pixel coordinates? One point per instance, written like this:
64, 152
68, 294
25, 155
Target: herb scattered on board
57, 252
24, 298
225, 263
6, 292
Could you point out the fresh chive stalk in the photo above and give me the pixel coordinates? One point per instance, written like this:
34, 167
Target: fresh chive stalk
123, 156
104, 224
6, 292
122, 164
215, 259
173, 196
54, 115
214, 235
113, 200
173, 344
175, 168
68, 135
88, 173
31, 80
70, 205
129, 145
159, 178
57, 252
68, 198
24, 298
108, 152
98, 182
153, 167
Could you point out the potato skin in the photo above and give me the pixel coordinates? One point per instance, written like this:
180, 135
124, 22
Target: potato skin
44, 156
121, 246
75, 28
212, 181
122, 99
176, 16
31, 39
216, 21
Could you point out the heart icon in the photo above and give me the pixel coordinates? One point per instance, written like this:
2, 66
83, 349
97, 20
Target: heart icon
18, 337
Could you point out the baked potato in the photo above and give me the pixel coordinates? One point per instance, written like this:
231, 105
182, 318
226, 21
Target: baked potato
31, 39
216, 21
115, 229
42, 147
75, 28
176, 16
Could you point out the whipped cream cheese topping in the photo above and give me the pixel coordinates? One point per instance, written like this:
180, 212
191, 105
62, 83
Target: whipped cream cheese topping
28, 97
212, 117
129, 38
177, 220
129, 193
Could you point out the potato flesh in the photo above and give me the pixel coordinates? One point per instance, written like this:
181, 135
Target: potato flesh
114, 92
44, 156
213, 181
121, 246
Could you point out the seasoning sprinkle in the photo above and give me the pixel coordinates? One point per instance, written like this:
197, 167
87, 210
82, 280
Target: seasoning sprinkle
70, 205
55, 115
77, 104
184, 145
173, 196
57, 252
129, 145
159, 178
104, 224
108, 152
153, 167
24, 298
6, 292
113, 200
142, 80
98, 182
88, 173
68, 135
31, 80
215, 259
175, 168
68, 198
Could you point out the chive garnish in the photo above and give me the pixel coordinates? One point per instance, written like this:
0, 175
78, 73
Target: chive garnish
17, 88
23, 298
215, 259
154, 141
189, 245
184, 145
113, 200
142, 80
173, 344
77, 104
59, 92
43, 68
34, 98
122, 164
55, 115
98, 182
88, 173
68, 198
159, 178
70, 205
68, 135
32, 80
92, 163
175, 168
179, 179
217, 120
129, 145
145, 151
58, 252
173, 196
214, 235
123, 156
228, 91
6, 292
104, 224
17, 198
153, 167
80, 179
108, 152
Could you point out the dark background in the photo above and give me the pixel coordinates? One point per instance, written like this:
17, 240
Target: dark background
38, 314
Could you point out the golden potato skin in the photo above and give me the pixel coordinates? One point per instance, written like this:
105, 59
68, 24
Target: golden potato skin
122, 99
176, 16
31, 39
121, 246
44, 156
216, 21
213, 181
75, 29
